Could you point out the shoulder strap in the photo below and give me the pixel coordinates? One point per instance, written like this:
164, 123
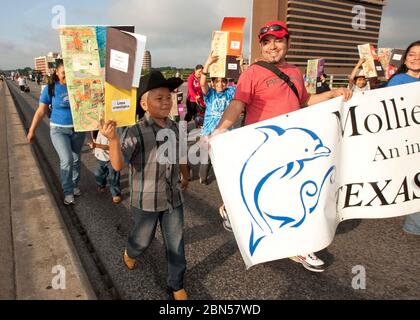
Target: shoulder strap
280, 74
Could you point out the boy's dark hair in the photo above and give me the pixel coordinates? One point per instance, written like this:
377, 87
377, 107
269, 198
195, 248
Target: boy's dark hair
139, 110
199, 67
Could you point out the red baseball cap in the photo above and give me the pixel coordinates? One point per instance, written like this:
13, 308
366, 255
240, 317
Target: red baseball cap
276, 28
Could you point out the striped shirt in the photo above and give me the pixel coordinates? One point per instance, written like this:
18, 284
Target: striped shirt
154, 185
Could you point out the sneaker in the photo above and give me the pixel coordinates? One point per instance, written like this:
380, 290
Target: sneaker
69, 199
76, 192
227, 225
130, 263
180, 295
101, 189
116, 199
225, 217
203, 182
310, 262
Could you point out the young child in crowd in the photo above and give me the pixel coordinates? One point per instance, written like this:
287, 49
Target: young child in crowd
217, 98
104, 170
357, 78
155, 183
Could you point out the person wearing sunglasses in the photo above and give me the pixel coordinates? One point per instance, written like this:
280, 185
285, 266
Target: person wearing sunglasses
263, 95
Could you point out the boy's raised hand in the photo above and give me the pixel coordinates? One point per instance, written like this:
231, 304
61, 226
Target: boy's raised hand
240, 59
361, 61
211, 59
241, 62
108, 129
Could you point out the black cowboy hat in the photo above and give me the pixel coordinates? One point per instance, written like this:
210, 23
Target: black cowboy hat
155, 79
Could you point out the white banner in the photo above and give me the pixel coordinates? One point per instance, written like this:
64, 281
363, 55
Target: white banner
287, 182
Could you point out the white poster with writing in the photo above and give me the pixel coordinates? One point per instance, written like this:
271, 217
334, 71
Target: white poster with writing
287, 182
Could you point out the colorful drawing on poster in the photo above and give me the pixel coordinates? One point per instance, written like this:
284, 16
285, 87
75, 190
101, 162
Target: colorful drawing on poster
311, 74
314, 70
101, 38
371, 67
85, 84
384, 56
227, 45
368, 65
219, 49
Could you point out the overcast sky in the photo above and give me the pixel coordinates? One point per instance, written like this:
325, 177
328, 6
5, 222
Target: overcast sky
178, 31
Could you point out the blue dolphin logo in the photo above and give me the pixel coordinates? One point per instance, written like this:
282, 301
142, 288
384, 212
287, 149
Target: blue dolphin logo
313, 148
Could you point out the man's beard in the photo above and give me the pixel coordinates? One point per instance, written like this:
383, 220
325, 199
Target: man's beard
275, 60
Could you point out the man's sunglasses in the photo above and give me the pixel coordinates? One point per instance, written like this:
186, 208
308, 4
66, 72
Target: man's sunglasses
274, 27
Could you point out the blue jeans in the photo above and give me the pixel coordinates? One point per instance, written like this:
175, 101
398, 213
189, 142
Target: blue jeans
103, 171
205, 169
68, 145
412, 223
172, 227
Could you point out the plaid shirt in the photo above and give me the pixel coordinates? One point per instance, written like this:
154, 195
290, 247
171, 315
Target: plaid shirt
154, 186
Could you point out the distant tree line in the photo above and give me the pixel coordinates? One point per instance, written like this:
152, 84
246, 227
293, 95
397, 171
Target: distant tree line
171, 72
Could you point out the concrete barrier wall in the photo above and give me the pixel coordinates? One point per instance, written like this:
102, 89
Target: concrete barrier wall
45, 260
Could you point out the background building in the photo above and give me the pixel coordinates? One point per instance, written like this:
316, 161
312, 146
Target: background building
45, 64
41, 64
147, 61
321, 29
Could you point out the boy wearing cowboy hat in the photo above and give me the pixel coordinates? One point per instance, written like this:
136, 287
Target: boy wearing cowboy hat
155, 185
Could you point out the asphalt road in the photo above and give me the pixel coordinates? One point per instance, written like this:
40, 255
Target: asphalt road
216, 270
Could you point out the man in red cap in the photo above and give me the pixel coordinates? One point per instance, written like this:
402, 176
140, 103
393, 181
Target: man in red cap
264, 94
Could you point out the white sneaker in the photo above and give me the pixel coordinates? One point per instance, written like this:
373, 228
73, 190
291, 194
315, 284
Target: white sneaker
310, 262
227, 225
69, 199
76, 192
225, 217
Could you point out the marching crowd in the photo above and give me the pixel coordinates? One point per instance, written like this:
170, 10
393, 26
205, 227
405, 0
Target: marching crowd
156, 188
